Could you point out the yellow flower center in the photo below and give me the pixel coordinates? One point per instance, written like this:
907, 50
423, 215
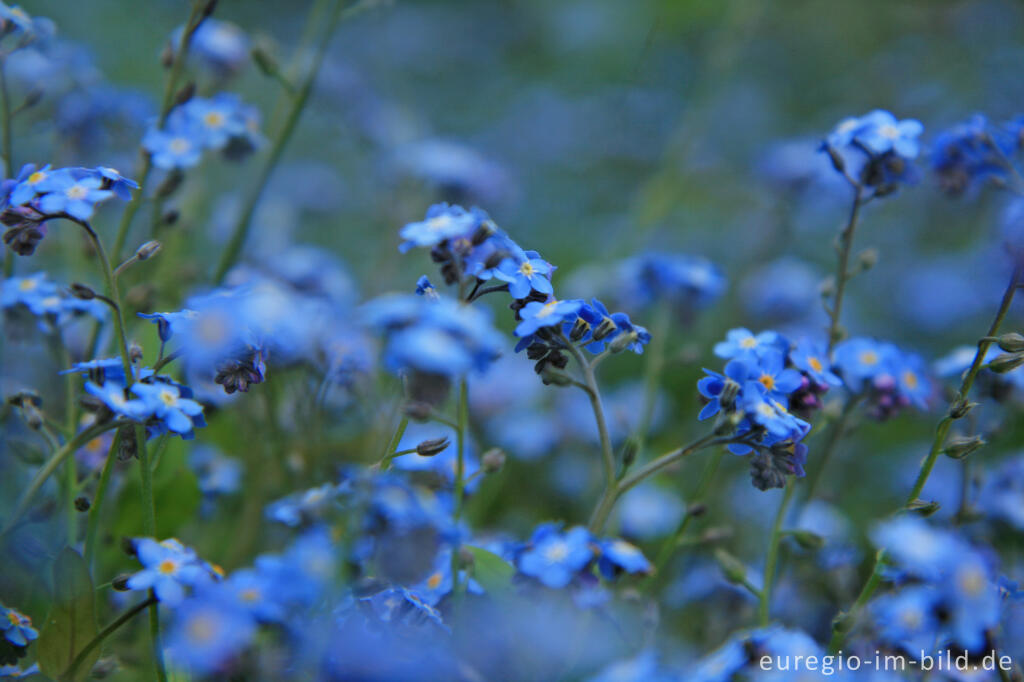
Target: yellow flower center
13, 617
972, 582
767, 381
36, 177
749, 342
548, 309
815, 363
214, 119
557, 551
434, 581
869, 357
27, 284
910, 379
249, 596
201, 629
526, 269
168, 566
168, 398
440, 222
889, 131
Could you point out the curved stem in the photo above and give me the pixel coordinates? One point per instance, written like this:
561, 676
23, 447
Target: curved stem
772, 558
50, 467
594, 393
79, 659
607, 502
958, 409
843, 269
235, 243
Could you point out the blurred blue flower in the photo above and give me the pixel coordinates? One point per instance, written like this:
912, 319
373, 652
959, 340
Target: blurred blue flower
554, 557
167, 568
207, 633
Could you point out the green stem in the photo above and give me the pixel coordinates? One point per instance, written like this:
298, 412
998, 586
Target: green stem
607, 502
669, 546
50, 467
958, 409
841, 624
462, 419
396, 438
843, 270
92, 526
241, 229
771, 561
82, 655
5, 122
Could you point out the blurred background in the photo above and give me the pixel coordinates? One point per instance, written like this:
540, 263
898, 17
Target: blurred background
590, 131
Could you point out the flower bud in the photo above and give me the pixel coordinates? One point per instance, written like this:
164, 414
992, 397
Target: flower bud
148, 250
432, 446
697, 509
418, 410
135, 352
629, 452
867, 259
483, 233
550, 376
579, 329
960, 408
185, 93
82, 292
924, 508
493, 460
120, 583
808, 540
33, 417
606, 327
1011, 342
82, 503
960, 448
1005, 362
622, 341
732, 568
827, 288
167, 56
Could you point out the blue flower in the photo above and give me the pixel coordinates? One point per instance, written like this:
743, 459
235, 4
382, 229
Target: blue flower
73, 192
249, 590
29, 179
303, 507
615, 556
165, 402
168, 567
218, 474
207, 633
861, 359
714, 384
16, 627
174, 148
742, 341
425, 288
117, 183
113, 396
771, 414
442, 223
526, 272
916, 547
217, 119
554, 557
1002, 491
812, 358
769, 371
880, 132
974, 600
721, 664
536, 315
686, 281
221, 45
438, 582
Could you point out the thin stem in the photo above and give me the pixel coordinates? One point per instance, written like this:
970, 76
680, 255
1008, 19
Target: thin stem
842, 622
669, 546
241, 229
396, 438
50, 467
958, 409
843, 269
82, 655
5, 123
834, 434
592, 391
462, 418
772, 559
92, 526
607, 503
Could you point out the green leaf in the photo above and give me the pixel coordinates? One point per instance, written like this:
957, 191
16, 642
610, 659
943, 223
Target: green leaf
175, 492
492, 572
71, 623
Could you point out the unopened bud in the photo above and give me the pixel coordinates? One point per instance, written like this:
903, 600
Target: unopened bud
867, 259
732, 568
696, 509
25, 396
433, 446
483, 233
729, 422
82, 292
960, 408
550, 376
606, 327
629, 452
622, 341
170, 216
148, 250
135, 352
960, 448
808, 540
120, 583
923, 507
1005, 362
167, 56
82, 504
1011, 342
466, 558
827, 288
128, 546
211, 5
579, 329
33, 417
493, 461
417, 410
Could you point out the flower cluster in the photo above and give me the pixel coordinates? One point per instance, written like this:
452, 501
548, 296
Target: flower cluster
888, 377
168, 567
221, 123
43, 299
946, 592
875, 150
974, 152
473, 251
765, 381
36, 195
556, 558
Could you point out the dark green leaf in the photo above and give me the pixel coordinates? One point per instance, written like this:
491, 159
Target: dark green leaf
71, 623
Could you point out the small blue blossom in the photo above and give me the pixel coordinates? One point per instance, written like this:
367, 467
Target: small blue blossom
16, 627
177, 148
168, 567
165, 402
554, 557
207, 633
812, 358
442, 223
112, 394
526, 272
742, 341
615, 556
73, 192
536, 315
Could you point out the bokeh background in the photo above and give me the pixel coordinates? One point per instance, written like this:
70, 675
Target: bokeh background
590, 131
